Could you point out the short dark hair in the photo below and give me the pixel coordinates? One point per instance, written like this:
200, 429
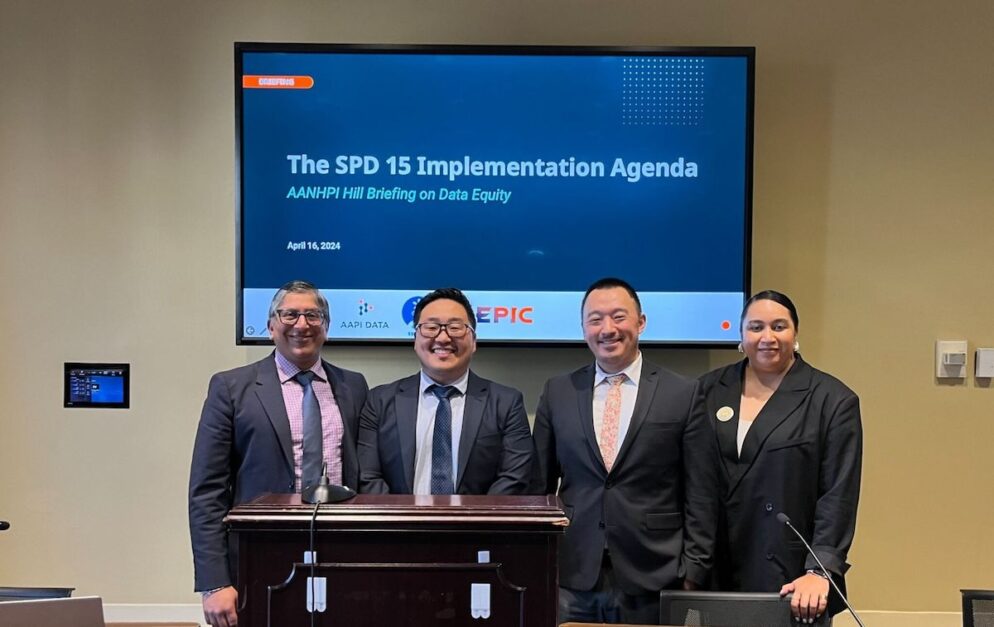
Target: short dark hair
300, 287
778, 297
609, 282
445, 293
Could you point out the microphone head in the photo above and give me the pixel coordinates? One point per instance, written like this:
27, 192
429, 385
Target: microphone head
4, 525
783, 518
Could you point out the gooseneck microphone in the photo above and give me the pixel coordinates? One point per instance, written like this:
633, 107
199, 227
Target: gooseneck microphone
786, 520
323, 492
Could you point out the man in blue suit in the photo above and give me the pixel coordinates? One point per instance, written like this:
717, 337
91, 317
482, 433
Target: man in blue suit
444, 430
251, 438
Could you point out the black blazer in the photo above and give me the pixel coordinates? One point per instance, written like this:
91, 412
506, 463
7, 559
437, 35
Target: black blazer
656, 510
243, 449
496, 452
802, 456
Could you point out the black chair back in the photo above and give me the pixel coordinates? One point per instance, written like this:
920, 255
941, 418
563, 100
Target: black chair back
27, 594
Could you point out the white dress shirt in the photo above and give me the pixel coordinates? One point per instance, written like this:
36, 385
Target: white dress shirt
629, 393
425, 430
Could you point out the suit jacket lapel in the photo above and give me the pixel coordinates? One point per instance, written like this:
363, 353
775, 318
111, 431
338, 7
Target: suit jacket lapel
270, 395
476, 395
583, 383
728, 393
648, 382
791, 393
407, 423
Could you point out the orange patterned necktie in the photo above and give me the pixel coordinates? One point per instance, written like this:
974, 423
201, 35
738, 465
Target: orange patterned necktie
609, 426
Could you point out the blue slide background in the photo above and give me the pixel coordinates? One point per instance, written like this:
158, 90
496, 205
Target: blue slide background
555, 234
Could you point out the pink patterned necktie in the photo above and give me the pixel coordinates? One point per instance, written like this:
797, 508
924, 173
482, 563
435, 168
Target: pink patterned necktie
609, 426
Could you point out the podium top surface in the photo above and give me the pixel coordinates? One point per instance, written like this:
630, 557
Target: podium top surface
385, 510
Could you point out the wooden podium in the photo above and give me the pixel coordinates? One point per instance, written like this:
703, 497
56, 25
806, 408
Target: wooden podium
399, 560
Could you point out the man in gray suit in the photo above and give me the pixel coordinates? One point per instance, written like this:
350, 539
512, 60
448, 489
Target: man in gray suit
444, 430
251, 438
635, 454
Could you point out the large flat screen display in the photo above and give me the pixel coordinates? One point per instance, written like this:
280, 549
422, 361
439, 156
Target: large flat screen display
517, 174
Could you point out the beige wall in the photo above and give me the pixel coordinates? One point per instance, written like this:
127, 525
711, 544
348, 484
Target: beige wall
873, 208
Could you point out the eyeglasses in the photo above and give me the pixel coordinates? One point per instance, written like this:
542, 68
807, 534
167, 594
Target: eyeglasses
290, 316
455, 330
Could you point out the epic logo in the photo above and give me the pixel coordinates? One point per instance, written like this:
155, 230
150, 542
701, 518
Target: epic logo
508, 314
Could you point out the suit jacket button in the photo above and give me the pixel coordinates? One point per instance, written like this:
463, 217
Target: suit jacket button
609, 485
601, 524
769, 556
769, 507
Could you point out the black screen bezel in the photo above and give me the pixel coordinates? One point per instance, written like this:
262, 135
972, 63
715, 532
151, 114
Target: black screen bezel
68, 367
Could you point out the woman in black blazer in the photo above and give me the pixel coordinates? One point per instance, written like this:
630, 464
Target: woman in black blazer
790, 440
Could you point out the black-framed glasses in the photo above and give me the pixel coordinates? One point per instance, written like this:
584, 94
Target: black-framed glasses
313, 317
455, 330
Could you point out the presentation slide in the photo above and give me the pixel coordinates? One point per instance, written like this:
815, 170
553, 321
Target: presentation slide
519, 178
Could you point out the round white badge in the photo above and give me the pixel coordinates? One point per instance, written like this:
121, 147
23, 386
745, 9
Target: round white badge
725, 413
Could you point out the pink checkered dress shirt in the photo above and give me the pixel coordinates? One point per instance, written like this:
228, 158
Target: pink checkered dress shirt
331, 417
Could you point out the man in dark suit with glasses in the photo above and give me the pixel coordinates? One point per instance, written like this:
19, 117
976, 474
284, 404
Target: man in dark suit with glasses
444, 430
270, 426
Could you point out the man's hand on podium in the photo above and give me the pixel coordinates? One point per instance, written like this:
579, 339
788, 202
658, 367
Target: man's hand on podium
219, 607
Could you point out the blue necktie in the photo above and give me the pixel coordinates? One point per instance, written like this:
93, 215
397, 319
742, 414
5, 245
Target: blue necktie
441, 442
313, 457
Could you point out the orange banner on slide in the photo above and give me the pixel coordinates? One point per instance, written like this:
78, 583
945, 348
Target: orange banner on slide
277, 82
